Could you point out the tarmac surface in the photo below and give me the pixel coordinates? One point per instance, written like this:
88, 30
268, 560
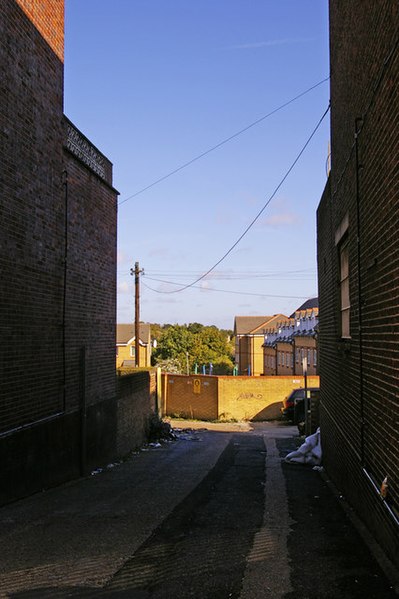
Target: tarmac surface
216, 513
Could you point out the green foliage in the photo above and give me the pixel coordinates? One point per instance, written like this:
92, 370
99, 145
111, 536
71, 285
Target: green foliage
196, 344
156, 331
171, 365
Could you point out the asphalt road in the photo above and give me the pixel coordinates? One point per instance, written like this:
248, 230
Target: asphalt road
215, 514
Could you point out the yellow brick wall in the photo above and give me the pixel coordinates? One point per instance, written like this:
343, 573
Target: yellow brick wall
229, 397
257, 355
248, 398
179, 398
251, 354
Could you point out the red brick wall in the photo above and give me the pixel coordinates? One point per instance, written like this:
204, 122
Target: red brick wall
359, 375
48, 18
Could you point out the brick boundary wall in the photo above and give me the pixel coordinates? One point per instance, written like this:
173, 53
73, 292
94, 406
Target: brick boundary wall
136, 403
228, 397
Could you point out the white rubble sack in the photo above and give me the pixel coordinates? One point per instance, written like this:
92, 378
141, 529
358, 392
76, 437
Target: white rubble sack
309, 452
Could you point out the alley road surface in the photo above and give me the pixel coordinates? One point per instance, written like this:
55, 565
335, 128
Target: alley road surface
215, 514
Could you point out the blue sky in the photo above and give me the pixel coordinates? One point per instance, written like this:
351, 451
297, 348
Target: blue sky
154, 84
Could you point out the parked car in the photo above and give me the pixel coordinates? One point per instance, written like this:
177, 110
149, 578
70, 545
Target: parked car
294, 404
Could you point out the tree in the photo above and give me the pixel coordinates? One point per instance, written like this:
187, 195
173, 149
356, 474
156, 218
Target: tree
199, 344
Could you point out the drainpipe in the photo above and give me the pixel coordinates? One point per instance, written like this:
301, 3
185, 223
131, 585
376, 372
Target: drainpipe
358, 122
253, 356
83, 412
63, 342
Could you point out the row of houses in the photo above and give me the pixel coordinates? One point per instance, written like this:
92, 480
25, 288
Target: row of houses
278, 345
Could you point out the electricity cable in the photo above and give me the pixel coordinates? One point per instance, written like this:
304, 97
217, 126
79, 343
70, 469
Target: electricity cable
186, 164
233, 275
225, 291
259, 213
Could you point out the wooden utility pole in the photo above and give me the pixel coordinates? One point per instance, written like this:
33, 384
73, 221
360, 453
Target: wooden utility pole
136, 273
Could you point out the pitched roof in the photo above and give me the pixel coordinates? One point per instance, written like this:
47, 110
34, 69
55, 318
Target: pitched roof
125, 332
308, 305
247, 325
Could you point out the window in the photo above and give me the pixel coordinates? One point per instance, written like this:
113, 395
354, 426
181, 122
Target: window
132, 351
309, 356
344, 289
292, 360
315, 357
282, 358
298, 355
278, 358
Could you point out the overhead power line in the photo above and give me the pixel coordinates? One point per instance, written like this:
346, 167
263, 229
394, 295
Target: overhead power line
223, 290
225, 141
234, 275
259, 213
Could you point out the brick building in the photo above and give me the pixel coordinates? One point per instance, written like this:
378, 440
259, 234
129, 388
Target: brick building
358, 264
126, 345
57, 264
249, 337
290, 341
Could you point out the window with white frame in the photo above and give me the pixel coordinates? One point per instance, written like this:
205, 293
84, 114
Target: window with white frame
132, 351
344, 289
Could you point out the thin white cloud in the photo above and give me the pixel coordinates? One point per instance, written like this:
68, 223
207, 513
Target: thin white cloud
124, 288
121, 258
158, 251
271, 43
283, 219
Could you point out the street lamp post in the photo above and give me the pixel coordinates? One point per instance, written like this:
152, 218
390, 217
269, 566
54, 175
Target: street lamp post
306, 398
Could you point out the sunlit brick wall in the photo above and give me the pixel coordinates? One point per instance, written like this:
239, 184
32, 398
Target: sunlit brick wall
359, 375
180, 398
47, 16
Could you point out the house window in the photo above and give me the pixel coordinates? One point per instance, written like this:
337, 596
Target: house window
315, 357
282, 358
309, 356
344, 289
278, 358
132, 351
298, 355
292, 360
